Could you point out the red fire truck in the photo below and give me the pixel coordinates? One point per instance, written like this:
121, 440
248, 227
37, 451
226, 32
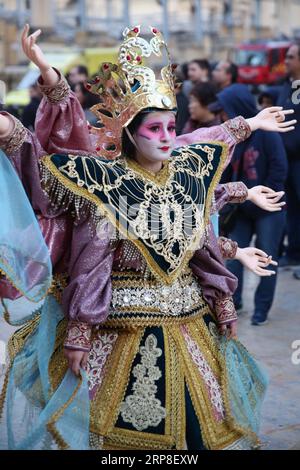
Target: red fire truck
261, 63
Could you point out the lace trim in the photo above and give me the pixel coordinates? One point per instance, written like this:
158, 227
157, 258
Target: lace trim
102, 347
57, 93
238, 128
78, 336
142, 409
14, 141
227, 247
209, 378
225, 310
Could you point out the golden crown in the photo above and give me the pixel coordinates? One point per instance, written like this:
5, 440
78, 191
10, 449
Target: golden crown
128, 87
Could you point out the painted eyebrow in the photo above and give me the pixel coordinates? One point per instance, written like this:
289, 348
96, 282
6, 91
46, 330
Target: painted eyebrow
154, 123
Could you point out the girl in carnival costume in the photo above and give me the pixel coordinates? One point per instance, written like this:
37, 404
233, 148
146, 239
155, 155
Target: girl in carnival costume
126, 350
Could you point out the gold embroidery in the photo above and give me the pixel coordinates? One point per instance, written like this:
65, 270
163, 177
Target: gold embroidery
14, 141
187, 164
51, 423
105, 405
159, 178
215, 434
182, 297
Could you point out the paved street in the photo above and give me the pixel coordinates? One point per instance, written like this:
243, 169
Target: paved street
272, 346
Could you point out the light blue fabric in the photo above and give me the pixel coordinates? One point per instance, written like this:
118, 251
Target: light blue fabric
215, 223
30, 406
247, 384
24, 256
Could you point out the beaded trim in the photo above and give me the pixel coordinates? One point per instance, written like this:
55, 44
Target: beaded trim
227, 247
78, 336
57, 93
14, 141
182, 297
238, 128
225, 311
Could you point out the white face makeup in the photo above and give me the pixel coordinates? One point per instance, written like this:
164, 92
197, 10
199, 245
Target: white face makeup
155, 137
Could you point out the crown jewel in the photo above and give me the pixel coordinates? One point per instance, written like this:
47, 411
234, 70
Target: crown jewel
128, 87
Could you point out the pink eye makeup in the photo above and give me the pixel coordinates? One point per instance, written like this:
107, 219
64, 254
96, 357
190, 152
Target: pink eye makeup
155, 129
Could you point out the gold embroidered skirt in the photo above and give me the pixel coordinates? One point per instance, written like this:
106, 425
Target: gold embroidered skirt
157, 379
156, 376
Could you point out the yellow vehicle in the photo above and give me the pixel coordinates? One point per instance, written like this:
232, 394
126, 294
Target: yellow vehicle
63, 60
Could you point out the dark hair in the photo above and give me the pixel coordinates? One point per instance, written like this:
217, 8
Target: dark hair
232, 69
184, 70
263, 95
128, 149
202, 63
205, 93
89, 98
82, 69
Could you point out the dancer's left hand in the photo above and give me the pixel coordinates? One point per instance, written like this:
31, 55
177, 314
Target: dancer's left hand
229, 330
266, 198
272, 119
255, 260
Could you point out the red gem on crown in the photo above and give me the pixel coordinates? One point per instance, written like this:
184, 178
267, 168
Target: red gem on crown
98, 149
105, 66
97, 79
88, 86
154, 30
135, 30
128, 57
138, 58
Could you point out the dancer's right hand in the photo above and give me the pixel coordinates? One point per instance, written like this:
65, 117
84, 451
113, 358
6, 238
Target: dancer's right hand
76, 360
36, 55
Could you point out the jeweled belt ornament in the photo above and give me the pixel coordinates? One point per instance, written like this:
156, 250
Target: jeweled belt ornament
179, 298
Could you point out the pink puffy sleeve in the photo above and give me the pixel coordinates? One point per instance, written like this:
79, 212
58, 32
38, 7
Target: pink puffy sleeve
230, 193
61, 125
231, 133
86, 299
217, 282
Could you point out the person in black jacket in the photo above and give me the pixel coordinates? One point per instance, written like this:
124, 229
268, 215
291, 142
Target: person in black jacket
290, 98
260, 160
29, 112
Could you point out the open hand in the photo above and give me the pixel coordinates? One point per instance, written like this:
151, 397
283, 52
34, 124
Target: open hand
255, 260
266, 198
272, 119
32, 50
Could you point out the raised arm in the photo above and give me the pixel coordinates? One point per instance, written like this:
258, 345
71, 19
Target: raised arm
61, 125
24, 151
